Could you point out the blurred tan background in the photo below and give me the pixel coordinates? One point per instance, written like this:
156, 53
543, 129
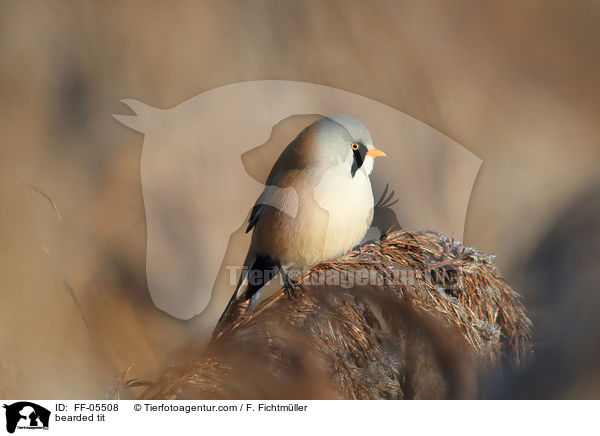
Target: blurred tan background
514, 82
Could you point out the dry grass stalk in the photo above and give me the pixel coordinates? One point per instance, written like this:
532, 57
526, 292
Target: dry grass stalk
436, 312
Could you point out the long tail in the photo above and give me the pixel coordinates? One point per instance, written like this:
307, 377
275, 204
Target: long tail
261, 271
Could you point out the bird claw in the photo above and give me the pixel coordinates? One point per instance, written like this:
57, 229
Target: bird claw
291, 287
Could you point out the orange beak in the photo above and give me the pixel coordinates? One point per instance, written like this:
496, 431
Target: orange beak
376, 152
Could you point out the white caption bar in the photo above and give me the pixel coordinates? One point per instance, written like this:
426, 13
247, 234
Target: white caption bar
299, 417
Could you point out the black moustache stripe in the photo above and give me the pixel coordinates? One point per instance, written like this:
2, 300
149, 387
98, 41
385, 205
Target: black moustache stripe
359, 158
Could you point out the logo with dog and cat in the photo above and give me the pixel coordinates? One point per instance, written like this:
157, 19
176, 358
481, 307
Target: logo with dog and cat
26, 415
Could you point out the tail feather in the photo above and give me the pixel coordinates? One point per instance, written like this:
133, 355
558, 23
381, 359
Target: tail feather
261, 271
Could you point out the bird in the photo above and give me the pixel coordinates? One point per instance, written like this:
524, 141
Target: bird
317, 204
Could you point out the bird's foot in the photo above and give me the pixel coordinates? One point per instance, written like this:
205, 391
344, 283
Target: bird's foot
291, 286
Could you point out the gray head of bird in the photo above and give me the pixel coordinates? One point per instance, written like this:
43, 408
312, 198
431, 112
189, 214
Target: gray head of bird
341, 140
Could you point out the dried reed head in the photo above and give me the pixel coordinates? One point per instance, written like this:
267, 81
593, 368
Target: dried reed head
435, 312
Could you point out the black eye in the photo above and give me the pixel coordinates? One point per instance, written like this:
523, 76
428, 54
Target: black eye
354, 146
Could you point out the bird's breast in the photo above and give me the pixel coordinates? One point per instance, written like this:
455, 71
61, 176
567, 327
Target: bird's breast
333, 215
348, 202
